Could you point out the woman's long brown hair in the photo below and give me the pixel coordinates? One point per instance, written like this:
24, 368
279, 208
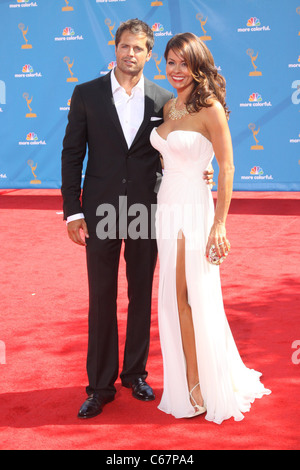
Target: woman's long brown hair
208, 83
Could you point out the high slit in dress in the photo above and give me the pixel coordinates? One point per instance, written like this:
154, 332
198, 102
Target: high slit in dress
185, 203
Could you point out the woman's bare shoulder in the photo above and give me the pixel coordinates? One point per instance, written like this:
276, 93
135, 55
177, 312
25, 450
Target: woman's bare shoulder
214, 113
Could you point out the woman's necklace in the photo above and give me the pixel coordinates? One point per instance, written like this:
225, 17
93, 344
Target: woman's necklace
176, 114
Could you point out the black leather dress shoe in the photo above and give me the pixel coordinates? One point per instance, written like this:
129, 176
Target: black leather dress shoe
92, 407
141, 390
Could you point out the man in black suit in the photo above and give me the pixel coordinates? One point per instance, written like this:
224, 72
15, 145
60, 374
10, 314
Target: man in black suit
114, 116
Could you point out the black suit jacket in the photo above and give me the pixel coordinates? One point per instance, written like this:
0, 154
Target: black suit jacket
113, 169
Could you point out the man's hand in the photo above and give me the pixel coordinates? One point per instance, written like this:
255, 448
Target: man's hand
208, 176
74, 231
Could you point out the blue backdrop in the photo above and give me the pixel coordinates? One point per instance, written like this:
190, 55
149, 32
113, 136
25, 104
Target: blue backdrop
49, 46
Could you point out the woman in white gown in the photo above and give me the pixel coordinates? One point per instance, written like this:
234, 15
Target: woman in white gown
203, 371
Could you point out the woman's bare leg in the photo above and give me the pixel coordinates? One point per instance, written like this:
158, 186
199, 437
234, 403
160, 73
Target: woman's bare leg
186, 322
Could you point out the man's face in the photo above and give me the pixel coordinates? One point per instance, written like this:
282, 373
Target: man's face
132, 53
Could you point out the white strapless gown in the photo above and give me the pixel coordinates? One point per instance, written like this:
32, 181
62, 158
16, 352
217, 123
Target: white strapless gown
185, 203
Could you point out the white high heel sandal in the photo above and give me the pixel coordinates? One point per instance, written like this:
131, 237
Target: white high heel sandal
199, 410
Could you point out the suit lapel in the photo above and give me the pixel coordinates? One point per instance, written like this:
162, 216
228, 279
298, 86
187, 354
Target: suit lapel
111, 108
149, 108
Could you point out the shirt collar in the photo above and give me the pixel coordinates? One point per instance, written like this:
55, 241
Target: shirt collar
115, 85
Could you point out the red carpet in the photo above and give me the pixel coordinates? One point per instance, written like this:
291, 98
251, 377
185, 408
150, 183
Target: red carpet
44, 328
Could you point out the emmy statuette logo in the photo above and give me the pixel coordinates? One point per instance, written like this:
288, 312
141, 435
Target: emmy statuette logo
67, 7
157, 63
205, 37
28, 101
111, 28
33, 168
24, 32
255, 131
72, 78
255, 72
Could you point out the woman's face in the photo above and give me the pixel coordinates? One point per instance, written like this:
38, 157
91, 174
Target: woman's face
178, 72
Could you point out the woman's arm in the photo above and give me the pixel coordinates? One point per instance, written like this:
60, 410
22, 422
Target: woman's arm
219, 133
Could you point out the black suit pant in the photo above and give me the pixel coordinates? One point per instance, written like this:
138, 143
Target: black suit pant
103, 257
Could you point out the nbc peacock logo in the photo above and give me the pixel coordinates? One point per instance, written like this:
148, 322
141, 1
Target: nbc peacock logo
256, 170
31, 136
159, 30
257, 173
255, 98
28, 72
253, 22
23, 3
68, 31
253, 25
68, 34
157, 27
27, 68
110, 66
32, 139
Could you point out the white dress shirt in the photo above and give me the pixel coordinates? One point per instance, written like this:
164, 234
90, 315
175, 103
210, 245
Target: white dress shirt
130, 109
